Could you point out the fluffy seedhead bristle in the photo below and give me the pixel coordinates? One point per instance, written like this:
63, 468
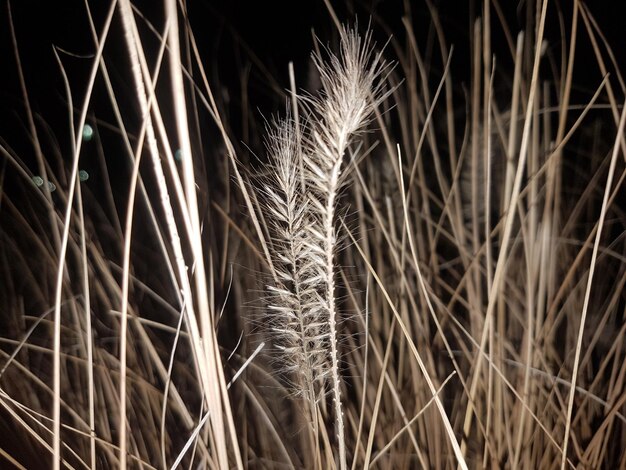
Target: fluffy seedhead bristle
305, 216
297, 321
351, 86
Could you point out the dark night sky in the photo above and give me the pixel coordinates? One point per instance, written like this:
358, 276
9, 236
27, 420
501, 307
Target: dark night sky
276, 31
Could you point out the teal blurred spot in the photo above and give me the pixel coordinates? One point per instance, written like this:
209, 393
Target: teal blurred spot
178, 155
38, 180
83, 175
87, 133
51, 186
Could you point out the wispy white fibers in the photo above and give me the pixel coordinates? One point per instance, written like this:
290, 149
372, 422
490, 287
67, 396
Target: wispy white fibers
306, 239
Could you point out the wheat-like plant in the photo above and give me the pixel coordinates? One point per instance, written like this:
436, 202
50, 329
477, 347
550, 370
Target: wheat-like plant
306, 237
294, 312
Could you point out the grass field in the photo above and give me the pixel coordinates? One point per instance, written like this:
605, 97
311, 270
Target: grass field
412, 257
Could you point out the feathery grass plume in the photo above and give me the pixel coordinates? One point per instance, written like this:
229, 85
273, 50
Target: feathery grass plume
302, 334
304, 308
351, 85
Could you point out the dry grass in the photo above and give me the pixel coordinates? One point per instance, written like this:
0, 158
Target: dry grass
421, 273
